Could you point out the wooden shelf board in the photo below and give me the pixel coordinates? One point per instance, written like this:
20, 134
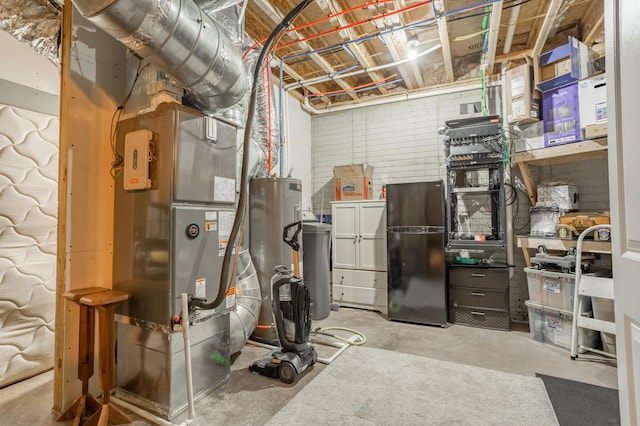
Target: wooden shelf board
563, 245
583, 150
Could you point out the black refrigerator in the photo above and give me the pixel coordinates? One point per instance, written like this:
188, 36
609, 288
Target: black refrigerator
416, 271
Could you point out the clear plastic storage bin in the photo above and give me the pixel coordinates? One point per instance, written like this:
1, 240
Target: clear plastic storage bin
549, 325
550, 288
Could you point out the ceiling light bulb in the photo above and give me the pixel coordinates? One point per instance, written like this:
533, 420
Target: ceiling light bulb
413, 42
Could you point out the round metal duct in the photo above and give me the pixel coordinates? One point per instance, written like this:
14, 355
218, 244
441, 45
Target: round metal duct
177, 37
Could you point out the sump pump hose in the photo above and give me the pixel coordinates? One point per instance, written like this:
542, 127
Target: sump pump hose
224, 275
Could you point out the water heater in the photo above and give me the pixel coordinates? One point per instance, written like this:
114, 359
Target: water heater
273, 204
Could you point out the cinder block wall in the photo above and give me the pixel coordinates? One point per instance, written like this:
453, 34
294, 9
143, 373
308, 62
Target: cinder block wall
401, 141
591, 178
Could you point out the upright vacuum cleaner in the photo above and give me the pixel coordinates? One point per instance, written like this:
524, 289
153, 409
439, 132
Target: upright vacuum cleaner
291, 305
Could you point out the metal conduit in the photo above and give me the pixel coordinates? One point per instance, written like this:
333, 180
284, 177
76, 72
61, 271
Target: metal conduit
177, 37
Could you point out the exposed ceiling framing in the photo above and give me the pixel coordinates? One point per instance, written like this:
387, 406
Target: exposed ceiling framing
340, 52
321, 61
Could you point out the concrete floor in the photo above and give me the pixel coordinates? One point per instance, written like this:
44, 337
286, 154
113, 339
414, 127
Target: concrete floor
250, 399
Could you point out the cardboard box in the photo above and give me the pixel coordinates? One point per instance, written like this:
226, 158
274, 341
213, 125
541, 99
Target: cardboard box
564, 65
592, 93
353, 182
561, 115
594, 131
556, 69
523, 100
584, 220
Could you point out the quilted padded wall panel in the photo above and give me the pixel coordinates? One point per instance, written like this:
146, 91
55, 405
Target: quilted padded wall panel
28, 217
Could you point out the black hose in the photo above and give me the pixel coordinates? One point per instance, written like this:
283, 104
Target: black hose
224, 275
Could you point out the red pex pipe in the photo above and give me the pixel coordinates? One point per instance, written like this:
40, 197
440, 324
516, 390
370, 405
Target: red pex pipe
340, 13
355, 24
267, 71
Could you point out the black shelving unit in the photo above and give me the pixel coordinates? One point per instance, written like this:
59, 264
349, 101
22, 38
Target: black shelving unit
476, 236
476, 204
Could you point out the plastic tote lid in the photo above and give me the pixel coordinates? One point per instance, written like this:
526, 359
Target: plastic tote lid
315, 228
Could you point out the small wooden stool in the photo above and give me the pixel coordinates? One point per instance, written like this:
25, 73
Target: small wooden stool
85, 355
105, 303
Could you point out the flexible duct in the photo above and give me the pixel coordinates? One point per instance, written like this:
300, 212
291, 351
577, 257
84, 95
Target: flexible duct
177, 37
262, 120
248, 301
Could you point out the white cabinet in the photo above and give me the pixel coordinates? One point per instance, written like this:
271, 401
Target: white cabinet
359, 241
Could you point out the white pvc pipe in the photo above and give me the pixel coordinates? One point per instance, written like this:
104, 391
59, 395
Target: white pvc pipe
513, 19
187, 354
341, 348
262, 345
387, 100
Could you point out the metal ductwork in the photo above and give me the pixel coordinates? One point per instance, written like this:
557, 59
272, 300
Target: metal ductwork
179, 38
248, 302
209, 6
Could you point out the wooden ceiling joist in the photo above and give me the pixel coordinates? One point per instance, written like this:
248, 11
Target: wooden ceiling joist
361, 53
592, 23
537, 22
276, 16
494, 29
547, 25
543, 34
446, 48
371, 36
397, 49
513, 56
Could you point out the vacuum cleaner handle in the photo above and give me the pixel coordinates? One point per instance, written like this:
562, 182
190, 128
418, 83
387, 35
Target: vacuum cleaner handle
293, 241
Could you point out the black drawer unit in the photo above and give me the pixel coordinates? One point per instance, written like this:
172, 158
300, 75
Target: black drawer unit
479, 297
486, 278
482, 298
479, 317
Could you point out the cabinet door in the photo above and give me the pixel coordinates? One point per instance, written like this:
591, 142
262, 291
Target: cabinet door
345, 235
372, 237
